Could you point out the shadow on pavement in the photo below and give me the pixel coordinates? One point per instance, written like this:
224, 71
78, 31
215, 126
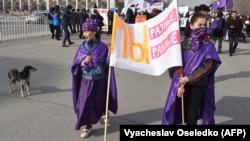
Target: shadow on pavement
242, 74
237, 108
48, 90
146, 117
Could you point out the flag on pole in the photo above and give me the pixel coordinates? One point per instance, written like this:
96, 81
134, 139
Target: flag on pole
213, 4
222, 4
152, 53
229, 3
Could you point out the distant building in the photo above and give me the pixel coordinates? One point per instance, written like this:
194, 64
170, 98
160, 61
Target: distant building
242, 6
46, 4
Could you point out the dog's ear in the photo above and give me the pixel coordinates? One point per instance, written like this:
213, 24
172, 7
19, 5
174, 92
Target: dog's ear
26, 68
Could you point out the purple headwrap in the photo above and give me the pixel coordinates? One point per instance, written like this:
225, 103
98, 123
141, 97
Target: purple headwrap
90, 25
196, 37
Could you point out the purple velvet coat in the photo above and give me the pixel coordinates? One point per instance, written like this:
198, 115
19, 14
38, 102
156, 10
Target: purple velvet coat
89, 96
191, 61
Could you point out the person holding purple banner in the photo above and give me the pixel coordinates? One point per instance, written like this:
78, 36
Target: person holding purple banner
195, 82
90, 71
216, 30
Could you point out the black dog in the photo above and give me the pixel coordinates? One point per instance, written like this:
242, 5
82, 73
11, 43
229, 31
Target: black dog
23, 77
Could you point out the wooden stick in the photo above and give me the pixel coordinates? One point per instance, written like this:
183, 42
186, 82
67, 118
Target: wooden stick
107, 106
182, 109
182, 104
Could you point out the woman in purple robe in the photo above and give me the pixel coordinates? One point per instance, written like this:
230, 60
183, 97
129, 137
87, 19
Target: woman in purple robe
90, 71
196, 84
217, 29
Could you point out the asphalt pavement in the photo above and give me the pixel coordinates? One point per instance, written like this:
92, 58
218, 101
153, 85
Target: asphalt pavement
47, 114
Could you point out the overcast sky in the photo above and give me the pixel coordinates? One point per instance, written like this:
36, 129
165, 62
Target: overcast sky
191, 3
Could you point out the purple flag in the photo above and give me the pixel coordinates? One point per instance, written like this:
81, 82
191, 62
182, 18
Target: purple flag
225, 4
229, 3
222, 4
154, 1
213, 5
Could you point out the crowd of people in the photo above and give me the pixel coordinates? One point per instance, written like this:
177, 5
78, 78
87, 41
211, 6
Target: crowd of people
131, 15
69, 21
221, 28
64, 22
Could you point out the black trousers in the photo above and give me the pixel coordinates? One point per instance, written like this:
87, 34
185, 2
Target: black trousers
193, 101
99, 33
71, 28
66, 34
52, 30
58, 30
233, 43
81, 33
74, 28
78, 27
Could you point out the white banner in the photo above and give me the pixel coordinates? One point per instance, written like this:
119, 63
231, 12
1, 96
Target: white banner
183, 10
129, 3
149, 47
142, 6
157, 5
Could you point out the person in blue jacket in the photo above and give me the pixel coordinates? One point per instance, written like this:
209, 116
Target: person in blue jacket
57, 22
51, 24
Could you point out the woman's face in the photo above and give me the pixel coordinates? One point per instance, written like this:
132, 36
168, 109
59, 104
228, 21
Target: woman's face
200, 22
89, 35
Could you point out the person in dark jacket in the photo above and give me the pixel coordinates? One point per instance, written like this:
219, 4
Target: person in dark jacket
96, 15
73, 21
83, 17
234, 26
131, 15
66, 16
78, 23
110, 16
